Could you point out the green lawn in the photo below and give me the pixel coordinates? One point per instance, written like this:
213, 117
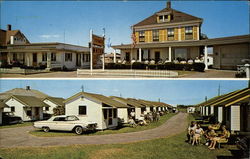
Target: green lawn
162, 120
17, 125
165, 148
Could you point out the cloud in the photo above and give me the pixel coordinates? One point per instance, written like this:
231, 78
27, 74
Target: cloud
47, 36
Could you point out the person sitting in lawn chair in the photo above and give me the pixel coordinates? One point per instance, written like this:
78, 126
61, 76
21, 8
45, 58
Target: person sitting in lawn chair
224, 136
190, 131
197, 134
131, 122
142, 121
209, 134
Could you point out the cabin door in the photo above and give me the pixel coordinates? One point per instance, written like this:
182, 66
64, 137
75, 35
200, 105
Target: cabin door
34, 57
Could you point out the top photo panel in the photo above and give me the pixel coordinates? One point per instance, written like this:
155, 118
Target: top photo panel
124, 39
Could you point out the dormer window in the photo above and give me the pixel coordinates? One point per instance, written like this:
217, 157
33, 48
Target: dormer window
164, 17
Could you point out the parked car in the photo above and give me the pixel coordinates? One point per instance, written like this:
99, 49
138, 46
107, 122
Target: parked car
10, 118
66, 123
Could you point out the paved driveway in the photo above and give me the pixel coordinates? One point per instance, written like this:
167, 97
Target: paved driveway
18, 137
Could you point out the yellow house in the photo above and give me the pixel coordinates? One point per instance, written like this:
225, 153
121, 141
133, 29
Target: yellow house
170, 35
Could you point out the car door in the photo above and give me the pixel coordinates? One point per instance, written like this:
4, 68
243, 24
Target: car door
57, 123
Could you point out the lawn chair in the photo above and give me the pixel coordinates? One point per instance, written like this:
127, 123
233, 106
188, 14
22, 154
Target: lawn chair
223, 140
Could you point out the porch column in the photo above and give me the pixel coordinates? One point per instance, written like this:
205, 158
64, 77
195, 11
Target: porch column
220, 114
27, 59
139, 54
114, 56
247, 68
211, 109
8, 57
205, 58
82, 54
48, 60
169, 54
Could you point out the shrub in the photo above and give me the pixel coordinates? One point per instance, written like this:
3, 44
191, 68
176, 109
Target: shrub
169, 66
110, 65
161, 67
187, 67
179, 66
199, 67
138, 65
152, 66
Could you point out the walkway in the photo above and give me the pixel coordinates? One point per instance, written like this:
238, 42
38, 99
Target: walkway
18, 137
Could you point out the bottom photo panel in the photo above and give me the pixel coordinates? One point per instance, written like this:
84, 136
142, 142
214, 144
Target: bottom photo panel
148, 119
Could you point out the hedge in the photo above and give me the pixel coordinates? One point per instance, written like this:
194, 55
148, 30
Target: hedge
167, 66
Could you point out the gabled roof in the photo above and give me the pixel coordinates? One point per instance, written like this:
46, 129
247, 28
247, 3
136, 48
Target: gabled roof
216, 99
29, 101
3, 105
178, 16
129, 102
10, 33
240, 96
22, 92
98, 97
56, 100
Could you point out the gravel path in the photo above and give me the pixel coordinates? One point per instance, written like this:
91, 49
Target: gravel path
19, 137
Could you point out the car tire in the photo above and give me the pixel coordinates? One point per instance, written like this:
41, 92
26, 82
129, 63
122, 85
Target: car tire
46, 129
78, 130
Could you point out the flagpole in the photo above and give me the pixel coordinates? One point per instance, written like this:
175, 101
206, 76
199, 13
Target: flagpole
103, 60
91, 50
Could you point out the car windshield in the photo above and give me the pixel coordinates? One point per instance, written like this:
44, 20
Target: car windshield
71, 118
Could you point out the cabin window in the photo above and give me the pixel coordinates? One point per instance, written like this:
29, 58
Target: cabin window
127, 56
47, 108
155, 35
82, 110
29, 113
53, 56
189, 33
68, 56
44, 56
115, 113
141, 36
12, 109
110, 112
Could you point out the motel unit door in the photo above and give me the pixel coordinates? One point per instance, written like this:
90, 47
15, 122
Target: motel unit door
34, 59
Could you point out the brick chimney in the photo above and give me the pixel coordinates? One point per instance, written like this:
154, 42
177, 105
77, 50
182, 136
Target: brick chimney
9, 27
169, 4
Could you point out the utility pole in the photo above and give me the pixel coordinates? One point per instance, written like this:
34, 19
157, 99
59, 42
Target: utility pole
103, 59
91, 50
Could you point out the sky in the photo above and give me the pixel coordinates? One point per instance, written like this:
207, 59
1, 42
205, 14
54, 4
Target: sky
187, 92
70, 21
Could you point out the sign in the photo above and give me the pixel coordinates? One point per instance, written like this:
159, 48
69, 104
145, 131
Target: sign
97, 47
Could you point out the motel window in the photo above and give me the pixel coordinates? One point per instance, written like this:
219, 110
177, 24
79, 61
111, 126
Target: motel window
141, 36
68, 56
29, 113
127, 56
53, 56
105, 113
12, 109
47, 108
170, 35
14, 56
44, 56
114, 113
189, 33
155, 35
82, 110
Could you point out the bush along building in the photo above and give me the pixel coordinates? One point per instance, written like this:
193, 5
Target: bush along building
17, 51
171, 36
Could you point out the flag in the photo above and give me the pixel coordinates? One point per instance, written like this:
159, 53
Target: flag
109, 43
133, 37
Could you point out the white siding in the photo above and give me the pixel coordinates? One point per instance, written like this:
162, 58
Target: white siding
235, 118
137, 113
18, 108
52, 106
122, 113
220, 114
211, 110
207, 111
94, 110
